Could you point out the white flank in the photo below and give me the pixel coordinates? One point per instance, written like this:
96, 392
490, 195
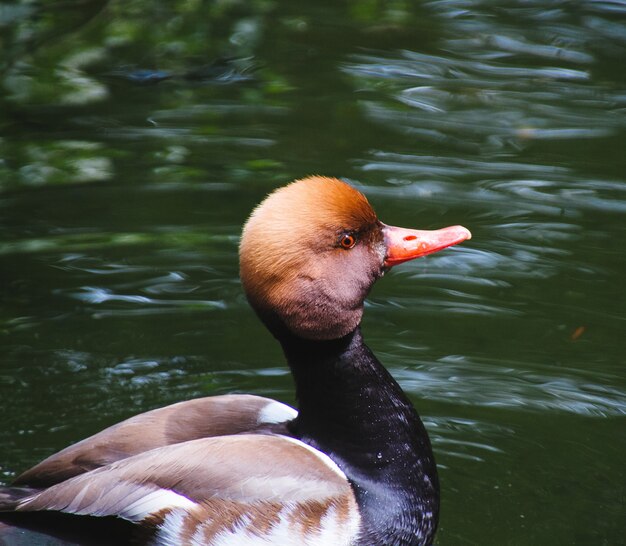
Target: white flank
276, 412
169, 533
333, 531
289, 532
337, 531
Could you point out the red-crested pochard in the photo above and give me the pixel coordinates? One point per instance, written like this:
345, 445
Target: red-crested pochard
353, 466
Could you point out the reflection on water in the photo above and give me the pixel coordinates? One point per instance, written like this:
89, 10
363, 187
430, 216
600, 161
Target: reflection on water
130, 158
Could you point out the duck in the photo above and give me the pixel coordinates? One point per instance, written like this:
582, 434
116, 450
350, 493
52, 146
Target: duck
353, 465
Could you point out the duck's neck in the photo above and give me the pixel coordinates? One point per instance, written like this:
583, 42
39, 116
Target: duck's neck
352, 409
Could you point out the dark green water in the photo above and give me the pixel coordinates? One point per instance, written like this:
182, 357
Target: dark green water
136, 136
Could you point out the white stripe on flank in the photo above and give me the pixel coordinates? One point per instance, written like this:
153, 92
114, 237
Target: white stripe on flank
154, 502
276, 412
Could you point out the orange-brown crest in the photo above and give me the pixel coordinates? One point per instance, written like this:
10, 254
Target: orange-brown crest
287, 247
312, 204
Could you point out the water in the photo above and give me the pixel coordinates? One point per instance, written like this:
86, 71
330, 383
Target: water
135, 138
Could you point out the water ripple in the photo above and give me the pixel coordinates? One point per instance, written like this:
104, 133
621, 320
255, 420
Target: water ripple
447, 433
498, 90
97, 296
544, 189
511, 385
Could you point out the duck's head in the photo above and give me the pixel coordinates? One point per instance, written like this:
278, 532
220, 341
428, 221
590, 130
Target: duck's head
311, 251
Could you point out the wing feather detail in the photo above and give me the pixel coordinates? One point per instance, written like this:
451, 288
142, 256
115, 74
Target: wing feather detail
200, 418
245, 468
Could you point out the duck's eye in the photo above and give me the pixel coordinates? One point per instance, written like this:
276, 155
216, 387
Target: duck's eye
347, 240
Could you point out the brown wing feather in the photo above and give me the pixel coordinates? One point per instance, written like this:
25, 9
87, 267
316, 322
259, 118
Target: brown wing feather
245, 468
190, 420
